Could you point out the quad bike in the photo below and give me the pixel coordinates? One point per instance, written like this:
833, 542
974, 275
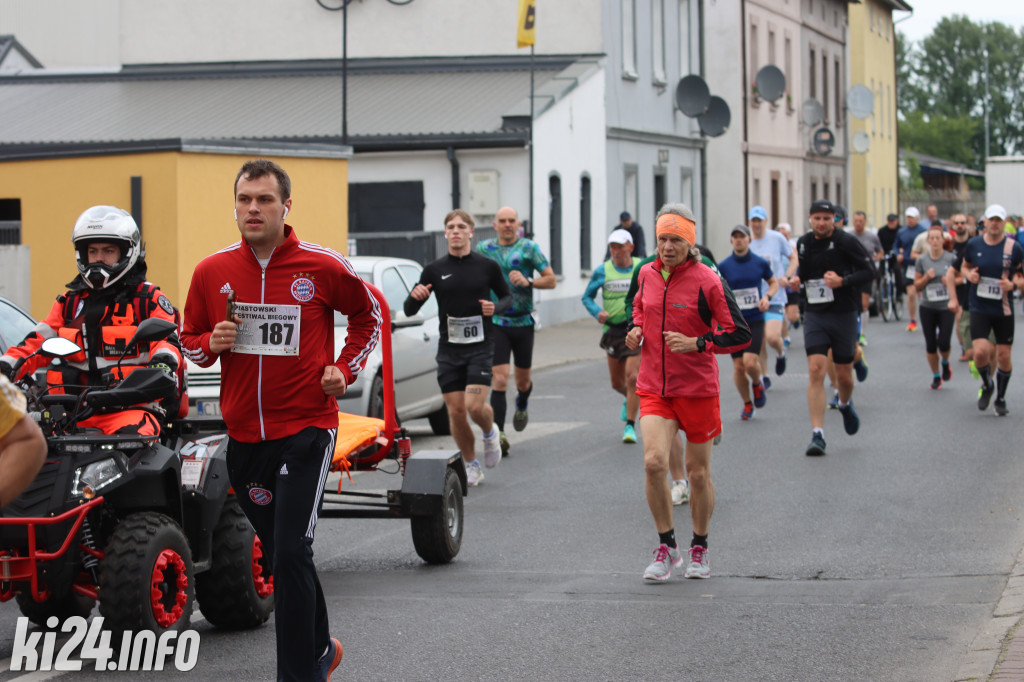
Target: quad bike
146, 525
149, 525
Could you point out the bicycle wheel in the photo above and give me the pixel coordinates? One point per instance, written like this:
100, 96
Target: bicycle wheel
885, 297
897, 303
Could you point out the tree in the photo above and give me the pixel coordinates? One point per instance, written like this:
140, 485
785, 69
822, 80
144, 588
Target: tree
942, 85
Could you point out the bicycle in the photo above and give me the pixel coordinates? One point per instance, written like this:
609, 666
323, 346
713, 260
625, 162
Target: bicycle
890, 302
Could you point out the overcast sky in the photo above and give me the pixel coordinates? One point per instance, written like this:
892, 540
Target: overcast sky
927, 13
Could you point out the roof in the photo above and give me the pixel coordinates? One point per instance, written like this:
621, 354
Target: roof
9, 44
391, 103
933, 164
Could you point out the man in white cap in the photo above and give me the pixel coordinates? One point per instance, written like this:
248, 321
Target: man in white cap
612, 279
903, 246
774, 248
991, 262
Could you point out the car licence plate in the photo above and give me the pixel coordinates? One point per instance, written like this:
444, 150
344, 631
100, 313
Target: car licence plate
208, 408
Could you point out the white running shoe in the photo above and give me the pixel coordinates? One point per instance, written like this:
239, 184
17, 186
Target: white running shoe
680, 492
665, 559
699, 566
492, 449
474, 473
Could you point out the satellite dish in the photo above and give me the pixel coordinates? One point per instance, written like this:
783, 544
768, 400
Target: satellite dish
770, 82
715, 121
692, 95
860, 101
861, 142
823, 141
812, 111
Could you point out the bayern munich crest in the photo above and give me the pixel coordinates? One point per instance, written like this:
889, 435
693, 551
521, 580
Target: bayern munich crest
260, 496
303, 290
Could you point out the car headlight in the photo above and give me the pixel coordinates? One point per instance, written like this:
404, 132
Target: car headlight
92, 478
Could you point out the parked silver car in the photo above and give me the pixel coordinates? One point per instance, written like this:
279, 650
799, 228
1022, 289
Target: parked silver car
414, 350
15, 324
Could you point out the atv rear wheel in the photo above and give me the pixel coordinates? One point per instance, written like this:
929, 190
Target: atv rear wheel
64, 607
146, 577
237, 592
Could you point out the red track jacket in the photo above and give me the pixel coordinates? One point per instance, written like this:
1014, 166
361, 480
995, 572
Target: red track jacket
266, 397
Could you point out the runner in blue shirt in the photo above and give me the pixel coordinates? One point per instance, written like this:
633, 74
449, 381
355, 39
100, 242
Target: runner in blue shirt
991, 262
776, 249
745, 271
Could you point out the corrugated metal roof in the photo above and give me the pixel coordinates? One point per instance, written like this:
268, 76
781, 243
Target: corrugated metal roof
81, 110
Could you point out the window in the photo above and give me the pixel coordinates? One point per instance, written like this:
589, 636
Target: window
660, 196
824, 188
753, 50
629, 39
824, 85
839, 93
757, 191
771, 46
411, 274
631, 192
385, 206
839, 193
555, 221
686, 188
888, 107
873, 112
789, 201
393, 287
658, 40
813, 75
871, 16
684, 37
814, 190
10, 222
585, 231
788, 65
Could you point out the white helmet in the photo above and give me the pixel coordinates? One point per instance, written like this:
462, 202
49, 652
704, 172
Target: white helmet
108, 225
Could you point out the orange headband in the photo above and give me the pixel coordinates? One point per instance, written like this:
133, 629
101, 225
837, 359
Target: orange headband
671, 223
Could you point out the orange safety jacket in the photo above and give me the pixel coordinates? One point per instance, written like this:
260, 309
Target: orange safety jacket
102, 323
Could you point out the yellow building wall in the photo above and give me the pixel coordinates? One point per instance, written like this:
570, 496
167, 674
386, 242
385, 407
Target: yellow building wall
205, 204
873, 182
187, 206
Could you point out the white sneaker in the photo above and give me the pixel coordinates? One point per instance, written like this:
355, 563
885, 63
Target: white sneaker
492, 449
665, 559
699, 566
474, 474
680, 492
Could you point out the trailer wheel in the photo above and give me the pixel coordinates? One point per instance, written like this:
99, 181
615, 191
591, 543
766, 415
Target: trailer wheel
146, 577
237, 593
438, 537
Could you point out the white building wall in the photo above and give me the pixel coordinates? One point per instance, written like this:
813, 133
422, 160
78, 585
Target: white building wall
725, 169
114, 32
569, 141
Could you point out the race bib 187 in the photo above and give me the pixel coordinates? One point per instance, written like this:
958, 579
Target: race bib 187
267, 329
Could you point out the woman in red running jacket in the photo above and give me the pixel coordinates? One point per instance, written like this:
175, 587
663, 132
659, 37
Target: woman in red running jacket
681, 314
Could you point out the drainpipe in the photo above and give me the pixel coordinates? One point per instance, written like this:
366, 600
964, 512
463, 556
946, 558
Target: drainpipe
456, 198
743, 103
704, 149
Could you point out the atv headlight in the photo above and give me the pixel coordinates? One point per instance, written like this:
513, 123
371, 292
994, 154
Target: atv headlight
92, 478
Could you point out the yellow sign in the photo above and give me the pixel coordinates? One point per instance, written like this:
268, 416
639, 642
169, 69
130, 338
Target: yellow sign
527, 22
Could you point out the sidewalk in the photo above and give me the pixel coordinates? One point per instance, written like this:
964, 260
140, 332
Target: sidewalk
567, 342
997, 652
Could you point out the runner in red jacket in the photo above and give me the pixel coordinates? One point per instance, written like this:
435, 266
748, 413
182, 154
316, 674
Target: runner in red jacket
682, 315
279, 383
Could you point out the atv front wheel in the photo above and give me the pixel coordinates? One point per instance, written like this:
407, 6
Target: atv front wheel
237, 593
146, 577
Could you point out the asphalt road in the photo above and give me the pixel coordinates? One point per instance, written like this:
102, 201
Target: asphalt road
880, 561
